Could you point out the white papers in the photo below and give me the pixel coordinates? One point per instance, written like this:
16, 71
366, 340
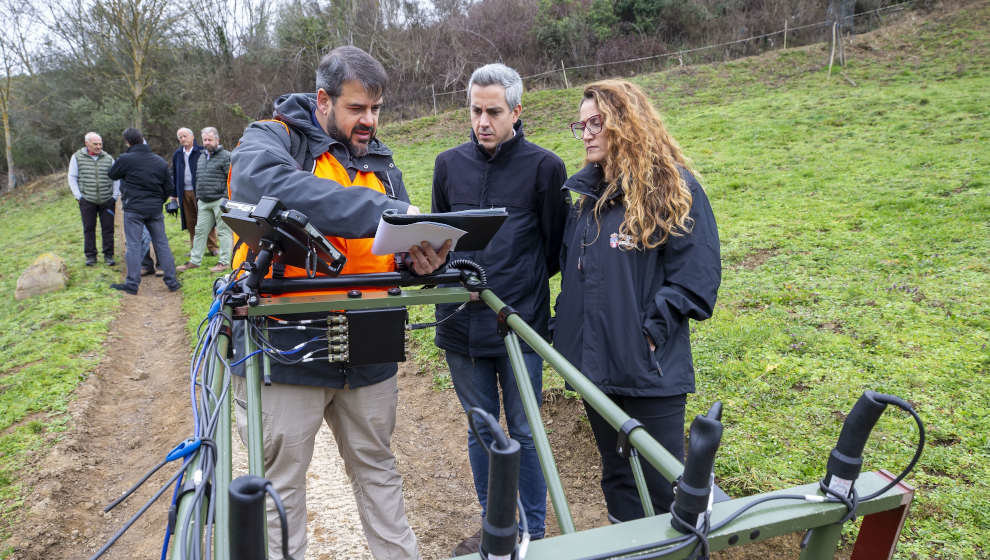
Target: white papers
392, 238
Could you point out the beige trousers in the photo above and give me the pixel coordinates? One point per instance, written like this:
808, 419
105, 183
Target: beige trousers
362, 421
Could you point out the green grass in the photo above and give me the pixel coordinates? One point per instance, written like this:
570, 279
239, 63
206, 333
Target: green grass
855, 243
854, 229
49, 343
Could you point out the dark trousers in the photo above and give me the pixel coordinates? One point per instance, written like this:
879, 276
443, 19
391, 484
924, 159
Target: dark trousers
663, 418
134, 224
90, 212
190, 208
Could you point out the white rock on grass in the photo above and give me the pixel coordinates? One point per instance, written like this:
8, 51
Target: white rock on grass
46, 274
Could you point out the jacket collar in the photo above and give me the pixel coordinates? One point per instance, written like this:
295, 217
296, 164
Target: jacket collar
139, 148
587, 182
504, 147
296, 110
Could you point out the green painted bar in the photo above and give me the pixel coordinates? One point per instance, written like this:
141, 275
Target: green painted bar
368, 300
221, 385
256, 453
823, 543
649, 448
760, 523
644, 492
550, 473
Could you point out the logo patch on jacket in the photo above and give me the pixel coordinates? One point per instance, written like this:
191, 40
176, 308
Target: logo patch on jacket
621, 241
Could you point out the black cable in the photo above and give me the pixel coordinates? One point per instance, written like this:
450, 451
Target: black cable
120, 532
417, 326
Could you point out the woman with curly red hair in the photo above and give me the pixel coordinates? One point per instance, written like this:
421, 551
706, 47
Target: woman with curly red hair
640, 258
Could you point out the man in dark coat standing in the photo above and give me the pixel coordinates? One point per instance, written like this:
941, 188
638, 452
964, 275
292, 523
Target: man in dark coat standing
184, 161
499, 167
145, 186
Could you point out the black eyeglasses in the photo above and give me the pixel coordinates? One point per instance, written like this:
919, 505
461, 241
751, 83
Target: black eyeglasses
592, 123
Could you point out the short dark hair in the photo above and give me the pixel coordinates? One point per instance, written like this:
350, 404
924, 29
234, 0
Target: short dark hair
350, 63
133, 137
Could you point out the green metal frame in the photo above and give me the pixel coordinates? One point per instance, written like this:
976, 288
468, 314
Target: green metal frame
762, 522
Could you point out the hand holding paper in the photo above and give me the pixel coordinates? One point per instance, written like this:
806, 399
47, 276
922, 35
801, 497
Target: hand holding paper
468, 230
424, 260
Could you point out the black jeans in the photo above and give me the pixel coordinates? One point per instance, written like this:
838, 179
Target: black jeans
89, 212
663, 418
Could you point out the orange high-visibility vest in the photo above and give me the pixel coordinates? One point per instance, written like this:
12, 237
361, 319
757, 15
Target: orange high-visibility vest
360, 260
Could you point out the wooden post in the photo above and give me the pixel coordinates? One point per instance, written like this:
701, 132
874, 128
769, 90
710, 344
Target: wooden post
564, 72
831, 57
785, 33
433, 90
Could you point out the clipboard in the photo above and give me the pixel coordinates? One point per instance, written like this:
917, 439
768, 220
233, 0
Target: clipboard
471, 230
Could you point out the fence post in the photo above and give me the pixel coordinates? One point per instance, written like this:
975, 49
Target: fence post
785, 33
831, 57
564, 72
433, 90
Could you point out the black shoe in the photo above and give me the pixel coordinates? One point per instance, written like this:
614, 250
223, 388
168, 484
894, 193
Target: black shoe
90, 261
109, 261
145, 271
175, 288
470, 545
124, 288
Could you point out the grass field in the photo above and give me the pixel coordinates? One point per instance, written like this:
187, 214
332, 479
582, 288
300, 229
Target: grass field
855, 225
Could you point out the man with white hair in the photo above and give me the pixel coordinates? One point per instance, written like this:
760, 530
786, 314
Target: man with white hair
211, 188
184, 161
97, 195
499, 167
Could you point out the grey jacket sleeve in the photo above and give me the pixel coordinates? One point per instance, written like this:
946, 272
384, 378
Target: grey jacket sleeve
263, 166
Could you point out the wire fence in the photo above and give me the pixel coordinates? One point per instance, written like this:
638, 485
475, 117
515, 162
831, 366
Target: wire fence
834, 25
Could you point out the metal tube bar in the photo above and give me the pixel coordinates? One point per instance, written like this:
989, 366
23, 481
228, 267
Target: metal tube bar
644, 492
765, 521
540, 440
340, 302
346, 281
256, 454
649, 448
221, 385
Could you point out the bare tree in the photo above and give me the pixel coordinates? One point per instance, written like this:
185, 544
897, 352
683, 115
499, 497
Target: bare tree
15, 57
127, 33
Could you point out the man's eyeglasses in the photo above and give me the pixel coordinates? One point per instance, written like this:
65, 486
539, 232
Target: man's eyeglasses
592, 123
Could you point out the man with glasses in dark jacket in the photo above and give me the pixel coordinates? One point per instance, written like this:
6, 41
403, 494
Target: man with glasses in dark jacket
499, 167
144, 187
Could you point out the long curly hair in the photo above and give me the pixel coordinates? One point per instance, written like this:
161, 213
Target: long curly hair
641, 163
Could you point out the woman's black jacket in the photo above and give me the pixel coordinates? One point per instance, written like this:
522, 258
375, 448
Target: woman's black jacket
613, 296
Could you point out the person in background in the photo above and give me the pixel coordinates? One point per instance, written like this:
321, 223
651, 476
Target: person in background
144, 189
183, 173
212, 168
640, 258
96, 194
499, 167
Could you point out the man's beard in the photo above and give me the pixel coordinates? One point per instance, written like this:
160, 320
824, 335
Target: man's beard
356, 148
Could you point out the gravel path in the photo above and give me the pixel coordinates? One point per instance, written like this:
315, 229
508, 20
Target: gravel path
334, 526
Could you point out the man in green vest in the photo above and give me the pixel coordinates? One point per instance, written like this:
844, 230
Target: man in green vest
211, 188
97, 195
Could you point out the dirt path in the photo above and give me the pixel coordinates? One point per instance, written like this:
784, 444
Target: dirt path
135, 408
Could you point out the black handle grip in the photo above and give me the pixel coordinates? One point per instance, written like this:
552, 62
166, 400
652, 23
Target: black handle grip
499, 532
694, 487
247, 518
846, 460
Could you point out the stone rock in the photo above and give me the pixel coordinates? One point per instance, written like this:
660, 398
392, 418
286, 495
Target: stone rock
46, 274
